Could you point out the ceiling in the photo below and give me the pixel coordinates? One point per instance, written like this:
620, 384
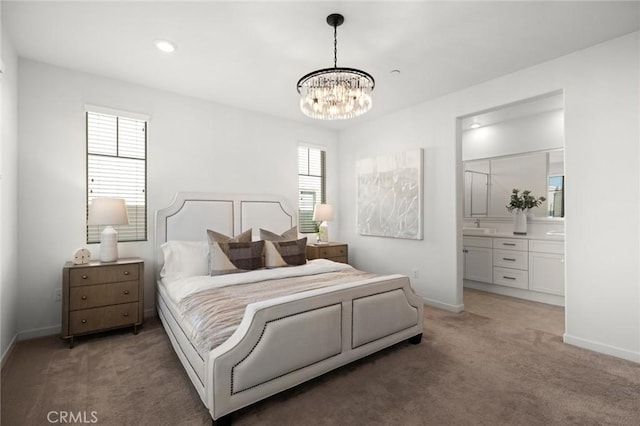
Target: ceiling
251, 54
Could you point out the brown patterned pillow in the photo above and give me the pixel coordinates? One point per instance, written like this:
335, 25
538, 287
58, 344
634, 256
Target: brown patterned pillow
288, 235
285, 253
217, 237
232, 257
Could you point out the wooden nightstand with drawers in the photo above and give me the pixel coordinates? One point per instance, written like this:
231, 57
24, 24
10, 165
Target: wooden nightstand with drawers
338, 252
102, 296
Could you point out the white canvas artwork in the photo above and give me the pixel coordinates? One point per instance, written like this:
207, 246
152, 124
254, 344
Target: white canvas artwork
390, 195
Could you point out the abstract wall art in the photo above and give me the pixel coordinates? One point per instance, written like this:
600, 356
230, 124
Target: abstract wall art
390, 195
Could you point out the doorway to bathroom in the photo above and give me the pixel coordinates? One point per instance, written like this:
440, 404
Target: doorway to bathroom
513, 166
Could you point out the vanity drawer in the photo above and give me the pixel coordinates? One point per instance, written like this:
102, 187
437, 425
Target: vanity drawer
511, 277
510, 244
477, 242
103, 274
84, 297
543, 246
86, 320
511, 259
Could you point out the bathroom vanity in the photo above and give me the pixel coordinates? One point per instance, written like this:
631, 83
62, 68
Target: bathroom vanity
529, 266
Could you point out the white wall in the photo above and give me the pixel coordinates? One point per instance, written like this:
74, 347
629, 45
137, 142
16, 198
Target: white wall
601, 88
8, 196
538, 132
193, 145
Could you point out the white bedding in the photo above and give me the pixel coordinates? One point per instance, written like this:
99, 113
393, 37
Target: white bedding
179, 288
211, 308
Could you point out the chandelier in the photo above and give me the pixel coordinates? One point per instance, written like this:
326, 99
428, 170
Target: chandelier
335, 93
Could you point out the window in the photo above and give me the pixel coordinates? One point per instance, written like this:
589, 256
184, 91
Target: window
311, 185
555, 196
116, 167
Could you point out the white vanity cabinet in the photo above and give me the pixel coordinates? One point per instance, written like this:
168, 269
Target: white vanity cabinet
510, 262
478, 259
528, 268
546, 266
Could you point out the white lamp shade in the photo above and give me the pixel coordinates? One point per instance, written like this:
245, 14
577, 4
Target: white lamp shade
108, 211
323, 212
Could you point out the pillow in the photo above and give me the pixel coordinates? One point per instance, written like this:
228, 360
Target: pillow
289, 235
231, 257
217, 237
285, 253
185, 258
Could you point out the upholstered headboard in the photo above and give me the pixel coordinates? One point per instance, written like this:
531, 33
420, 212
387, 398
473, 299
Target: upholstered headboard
190, 214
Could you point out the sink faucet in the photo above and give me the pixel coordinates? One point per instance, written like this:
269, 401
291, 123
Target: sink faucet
477, 222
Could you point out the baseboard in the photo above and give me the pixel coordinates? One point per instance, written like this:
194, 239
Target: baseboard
7, 353
533, 296
39, 332
55, 329
442, 305
602, 348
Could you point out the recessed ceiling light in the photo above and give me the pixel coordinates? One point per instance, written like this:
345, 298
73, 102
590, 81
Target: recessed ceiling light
475, 125
165, 46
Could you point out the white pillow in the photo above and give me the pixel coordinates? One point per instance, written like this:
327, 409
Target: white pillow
185, 259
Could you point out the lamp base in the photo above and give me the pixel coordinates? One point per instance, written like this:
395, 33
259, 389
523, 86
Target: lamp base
323, 233
109, 245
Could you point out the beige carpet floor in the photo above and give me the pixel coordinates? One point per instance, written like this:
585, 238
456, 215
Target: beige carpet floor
481, 367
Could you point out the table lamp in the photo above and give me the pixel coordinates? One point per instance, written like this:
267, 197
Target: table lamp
323, 213
108, 211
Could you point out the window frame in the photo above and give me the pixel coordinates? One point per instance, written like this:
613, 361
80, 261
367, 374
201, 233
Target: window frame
305, 225
122, 237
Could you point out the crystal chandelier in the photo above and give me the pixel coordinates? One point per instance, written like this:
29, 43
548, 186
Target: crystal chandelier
335, 93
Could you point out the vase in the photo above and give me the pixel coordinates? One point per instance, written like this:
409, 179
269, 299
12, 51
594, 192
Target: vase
519, 222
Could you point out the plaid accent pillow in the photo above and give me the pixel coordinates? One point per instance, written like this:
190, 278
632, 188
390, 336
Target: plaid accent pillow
217, 237
232, 257
285, 253
288, 235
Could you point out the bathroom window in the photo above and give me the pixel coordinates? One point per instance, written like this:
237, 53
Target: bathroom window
556, 196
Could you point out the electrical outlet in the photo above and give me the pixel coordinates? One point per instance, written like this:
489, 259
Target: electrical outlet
414, 273
57, 294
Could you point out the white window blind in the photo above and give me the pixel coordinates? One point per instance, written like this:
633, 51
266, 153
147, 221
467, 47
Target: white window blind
116, 167
311, 185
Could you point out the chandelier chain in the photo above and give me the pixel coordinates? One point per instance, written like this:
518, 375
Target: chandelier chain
335, 46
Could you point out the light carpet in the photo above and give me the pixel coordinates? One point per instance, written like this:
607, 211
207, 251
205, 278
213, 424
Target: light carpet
469, 369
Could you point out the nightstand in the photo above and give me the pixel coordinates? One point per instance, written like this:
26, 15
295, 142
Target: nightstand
338, 252
101, 296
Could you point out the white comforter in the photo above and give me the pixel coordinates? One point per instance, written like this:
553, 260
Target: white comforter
179, 288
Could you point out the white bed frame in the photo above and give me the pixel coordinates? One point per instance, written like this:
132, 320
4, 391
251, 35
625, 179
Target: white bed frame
282, 342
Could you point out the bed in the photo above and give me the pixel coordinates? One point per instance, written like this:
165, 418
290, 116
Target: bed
283, 340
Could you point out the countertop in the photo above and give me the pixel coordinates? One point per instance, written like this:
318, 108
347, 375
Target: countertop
528, 236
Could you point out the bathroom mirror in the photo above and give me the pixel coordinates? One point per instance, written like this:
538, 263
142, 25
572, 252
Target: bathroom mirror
488, 183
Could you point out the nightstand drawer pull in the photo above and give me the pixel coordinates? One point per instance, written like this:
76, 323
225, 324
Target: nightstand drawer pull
126, 272
84, 277
84, 298
84, 321
508, 278
126, 292
126, 314
509, 259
